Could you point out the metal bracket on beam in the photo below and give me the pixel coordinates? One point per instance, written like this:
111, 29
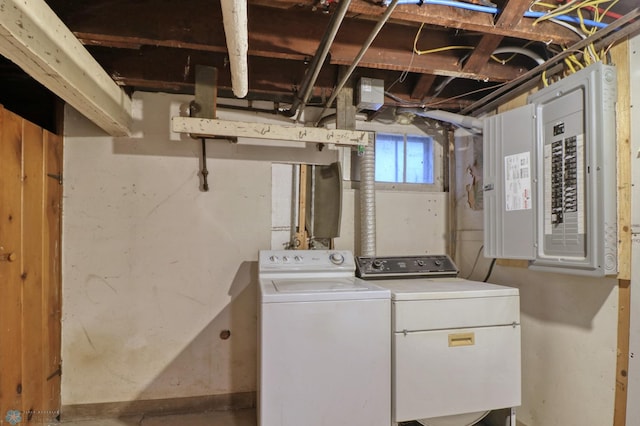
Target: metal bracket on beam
204, 106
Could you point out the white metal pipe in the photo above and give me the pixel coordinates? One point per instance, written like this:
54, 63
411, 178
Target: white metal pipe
323, 51
234, 17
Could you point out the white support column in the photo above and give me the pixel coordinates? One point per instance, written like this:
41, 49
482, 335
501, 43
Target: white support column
34, 38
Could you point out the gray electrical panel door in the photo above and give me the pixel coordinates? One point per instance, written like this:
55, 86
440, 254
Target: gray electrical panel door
577, 223
564, 141
509, 193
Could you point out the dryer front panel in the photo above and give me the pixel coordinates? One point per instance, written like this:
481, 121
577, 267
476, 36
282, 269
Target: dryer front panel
453, 371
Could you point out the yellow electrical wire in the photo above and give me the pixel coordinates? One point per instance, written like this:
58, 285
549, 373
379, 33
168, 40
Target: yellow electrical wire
445, 48
437, 49
570, 7
560, 10
589, 54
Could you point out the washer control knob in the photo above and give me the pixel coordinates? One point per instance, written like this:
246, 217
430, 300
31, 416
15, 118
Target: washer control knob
437, 262
336, 258
377, 264
297, 258
420, 262
274, 259
285, 259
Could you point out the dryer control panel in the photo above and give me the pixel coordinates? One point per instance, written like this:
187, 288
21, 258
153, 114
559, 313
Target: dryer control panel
372, 267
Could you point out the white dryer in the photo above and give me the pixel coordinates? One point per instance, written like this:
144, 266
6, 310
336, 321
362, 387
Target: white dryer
324, 348
455, 342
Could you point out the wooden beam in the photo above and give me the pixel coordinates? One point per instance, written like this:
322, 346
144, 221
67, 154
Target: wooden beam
422, 87
33, 37
381, 55
620, 57
509, 18
211, 127
451, 17
275, 80
266, 38
482, 53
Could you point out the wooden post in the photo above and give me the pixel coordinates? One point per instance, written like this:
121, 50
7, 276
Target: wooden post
620, 56
301, 241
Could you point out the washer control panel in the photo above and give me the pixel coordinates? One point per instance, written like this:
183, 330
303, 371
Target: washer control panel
372, 267
306, 260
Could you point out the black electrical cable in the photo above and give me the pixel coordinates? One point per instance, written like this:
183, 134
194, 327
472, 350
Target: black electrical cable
493, 262
475, 262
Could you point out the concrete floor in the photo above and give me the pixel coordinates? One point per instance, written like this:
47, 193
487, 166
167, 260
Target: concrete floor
214, 418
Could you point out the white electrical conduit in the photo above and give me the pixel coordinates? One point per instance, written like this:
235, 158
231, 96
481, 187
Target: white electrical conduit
471, 123
520, 51
506, 49
358, 58
234, 17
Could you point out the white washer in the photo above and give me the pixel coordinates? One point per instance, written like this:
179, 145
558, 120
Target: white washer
324, 348
456, 343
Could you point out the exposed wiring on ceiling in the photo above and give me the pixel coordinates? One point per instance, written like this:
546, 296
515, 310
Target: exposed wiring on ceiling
462, 95
585, 27
513, 50
606, 12
493, 10
403, 74
569, 27
556, 14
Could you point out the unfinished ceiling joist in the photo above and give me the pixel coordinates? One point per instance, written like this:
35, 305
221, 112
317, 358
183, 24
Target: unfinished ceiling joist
36, 40
204, 127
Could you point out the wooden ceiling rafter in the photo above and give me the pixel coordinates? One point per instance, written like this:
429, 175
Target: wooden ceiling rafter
509, 18
423, 86
159, 54
450, 17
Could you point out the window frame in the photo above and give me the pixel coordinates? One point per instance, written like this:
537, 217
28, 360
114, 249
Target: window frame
350, 158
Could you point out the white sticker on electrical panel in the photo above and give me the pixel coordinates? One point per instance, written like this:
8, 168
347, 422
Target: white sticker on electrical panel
517, 174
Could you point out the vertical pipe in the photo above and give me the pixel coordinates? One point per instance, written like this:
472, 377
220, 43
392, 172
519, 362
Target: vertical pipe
234, 17
368, 202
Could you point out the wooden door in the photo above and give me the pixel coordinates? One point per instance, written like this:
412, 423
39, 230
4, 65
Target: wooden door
30, 277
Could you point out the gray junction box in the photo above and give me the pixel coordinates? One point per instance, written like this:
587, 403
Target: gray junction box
550, 177
370, 93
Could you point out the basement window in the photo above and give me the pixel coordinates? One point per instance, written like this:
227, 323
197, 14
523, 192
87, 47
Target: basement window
402, 158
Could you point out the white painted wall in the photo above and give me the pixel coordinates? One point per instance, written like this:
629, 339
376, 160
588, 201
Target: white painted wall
569, 325
154, 269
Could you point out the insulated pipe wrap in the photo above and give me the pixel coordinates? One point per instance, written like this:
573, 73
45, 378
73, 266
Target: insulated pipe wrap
368, 202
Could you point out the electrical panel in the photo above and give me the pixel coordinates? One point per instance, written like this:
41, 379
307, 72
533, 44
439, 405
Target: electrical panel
562, 145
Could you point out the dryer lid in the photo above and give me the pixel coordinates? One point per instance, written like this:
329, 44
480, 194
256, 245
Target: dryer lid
443, 288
